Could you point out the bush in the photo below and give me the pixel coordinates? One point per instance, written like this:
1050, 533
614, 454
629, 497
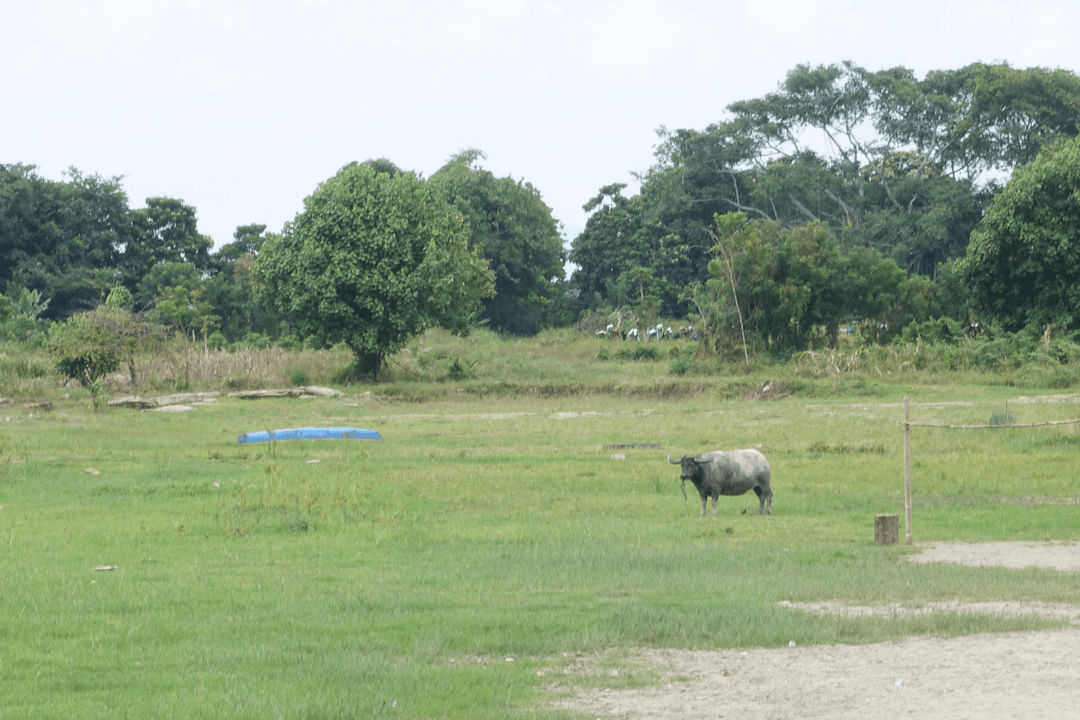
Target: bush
682, 366
638, 352
217, 340
459, 370
238, 381
937, 330
257, 341
290, 342
84, 351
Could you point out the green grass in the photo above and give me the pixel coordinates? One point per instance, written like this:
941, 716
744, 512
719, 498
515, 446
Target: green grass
395, 579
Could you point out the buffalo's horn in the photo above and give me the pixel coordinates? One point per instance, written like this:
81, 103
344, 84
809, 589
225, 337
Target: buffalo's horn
674, 462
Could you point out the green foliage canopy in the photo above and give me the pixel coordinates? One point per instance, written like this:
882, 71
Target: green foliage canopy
793, 284
897, 163
230, 289
372, 260
25, 314
1023, 263
60, 238
166, 230
513, 228
85, 349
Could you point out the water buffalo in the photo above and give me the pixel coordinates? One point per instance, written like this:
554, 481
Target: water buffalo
728, 472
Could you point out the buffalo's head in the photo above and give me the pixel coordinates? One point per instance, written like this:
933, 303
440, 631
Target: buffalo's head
689, 465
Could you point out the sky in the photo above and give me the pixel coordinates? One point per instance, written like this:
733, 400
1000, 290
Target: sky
241, 108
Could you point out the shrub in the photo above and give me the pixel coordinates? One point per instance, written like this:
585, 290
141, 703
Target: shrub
86, 351
290, 342
459, 370
638, 352
937, 330
257, 341
682, 366
217, 340
238, 381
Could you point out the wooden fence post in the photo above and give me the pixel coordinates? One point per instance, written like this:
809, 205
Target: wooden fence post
886, 529
907, 473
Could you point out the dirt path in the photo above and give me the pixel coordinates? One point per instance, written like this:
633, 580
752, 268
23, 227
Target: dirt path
1032, 675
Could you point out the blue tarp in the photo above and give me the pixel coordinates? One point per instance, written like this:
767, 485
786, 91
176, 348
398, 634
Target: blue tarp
310, 433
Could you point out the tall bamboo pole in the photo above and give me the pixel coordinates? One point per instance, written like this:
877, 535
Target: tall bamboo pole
907, 473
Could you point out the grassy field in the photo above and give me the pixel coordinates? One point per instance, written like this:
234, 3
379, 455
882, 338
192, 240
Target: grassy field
457, 567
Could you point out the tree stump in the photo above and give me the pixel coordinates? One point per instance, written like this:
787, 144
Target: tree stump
886, 529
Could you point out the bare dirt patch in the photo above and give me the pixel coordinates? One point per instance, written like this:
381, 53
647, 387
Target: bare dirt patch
771, 390
1008, 675
1003, 608
1052, 556
993, 675
573, 415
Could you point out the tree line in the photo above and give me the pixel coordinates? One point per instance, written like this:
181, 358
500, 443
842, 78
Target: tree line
853, 198
847, 200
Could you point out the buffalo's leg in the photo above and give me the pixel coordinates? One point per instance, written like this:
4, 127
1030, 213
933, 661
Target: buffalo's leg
764, 501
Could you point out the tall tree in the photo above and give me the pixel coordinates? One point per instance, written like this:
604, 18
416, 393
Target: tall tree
915, 214
1023, 263
795, 286
513, 228
600, 251
174, 295
166, 230
373, 259
60, 238
976, 118
230, 289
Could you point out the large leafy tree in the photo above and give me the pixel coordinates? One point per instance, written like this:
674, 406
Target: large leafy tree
600, 250
976, 118
514, 229
60, 238
166, 230
1023, 262
230, 289
174, 295
794, 287
374, 258
634, 251
915, 214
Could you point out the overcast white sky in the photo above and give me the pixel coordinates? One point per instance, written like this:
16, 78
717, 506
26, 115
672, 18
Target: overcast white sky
241, 108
